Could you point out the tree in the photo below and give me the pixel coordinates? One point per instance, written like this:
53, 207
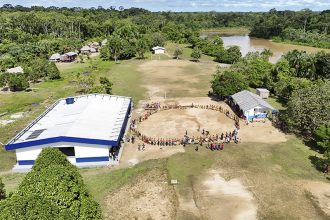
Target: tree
2, 190
141, 47
256, 70
4, 78
228, 83
85, 82
157, 39
115, 47
308, 108
177, 53
322, 138
106, 84
53, 189
18, 82
322, 65
49, 156
232, 55
196, 54
267, 53
53, 72
105, 53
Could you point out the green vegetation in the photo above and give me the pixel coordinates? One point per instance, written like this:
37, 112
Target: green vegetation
53, 189
303, 27
2, 190
308, 108
228, 83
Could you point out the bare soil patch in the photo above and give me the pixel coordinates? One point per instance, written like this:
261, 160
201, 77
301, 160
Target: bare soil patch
215, 196
320, 194
148, 197
261, 132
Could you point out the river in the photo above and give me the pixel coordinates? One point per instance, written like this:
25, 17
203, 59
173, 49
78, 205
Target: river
249, 44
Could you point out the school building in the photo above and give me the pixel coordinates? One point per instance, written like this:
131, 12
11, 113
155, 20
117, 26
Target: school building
88, 129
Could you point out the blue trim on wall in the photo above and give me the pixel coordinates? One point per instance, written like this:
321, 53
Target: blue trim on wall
25, 162
60, 139
91, 159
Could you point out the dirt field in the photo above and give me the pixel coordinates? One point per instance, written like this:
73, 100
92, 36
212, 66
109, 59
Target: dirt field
149, 197
174, 123
176, 78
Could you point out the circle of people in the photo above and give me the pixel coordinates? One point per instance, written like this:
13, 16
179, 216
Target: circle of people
214, 142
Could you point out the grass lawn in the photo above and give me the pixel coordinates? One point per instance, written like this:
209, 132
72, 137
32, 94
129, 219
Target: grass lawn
170, 48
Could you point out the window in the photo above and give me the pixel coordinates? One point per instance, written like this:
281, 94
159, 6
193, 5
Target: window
68, 151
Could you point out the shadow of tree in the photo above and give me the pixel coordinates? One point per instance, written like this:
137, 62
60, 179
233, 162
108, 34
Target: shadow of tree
313, 146
317, 162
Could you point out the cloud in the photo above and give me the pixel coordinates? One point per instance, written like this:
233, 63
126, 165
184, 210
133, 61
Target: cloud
185, 5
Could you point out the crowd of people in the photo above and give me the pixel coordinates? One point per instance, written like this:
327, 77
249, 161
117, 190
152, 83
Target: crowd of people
214, 142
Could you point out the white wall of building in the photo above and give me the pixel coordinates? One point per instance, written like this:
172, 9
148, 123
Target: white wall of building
81, 151
91, 151
159, 51
30, 153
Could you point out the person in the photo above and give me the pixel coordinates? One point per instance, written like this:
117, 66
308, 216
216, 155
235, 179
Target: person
139, 146
203, 132
186, 132
222, 146
196, 148
326, 169
143, 147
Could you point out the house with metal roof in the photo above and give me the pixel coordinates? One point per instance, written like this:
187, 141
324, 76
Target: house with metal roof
251, 105
55, 57
88, 129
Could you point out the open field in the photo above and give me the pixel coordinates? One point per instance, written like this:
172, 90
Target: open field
269, 175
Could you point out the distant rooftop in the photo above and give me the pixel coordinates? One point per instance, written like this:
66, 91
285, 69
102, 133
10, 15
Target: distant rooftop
262, 90
94, 116
15, 70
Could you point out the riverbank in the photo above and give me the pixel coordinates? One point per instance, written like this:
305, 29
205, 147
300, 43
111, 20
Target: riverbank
226, 31
315, 45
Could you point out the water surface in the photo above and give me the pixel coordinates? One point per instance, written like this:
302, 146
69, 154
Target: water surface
249, 44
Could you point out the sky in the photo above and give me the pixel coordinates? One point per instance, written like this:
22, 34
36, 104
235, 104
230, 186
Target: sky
184, 5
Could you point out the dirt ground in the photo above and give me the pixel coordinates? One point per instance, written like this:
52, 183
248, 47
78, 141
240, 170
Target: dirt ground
320, 193
149, 197
226, 198
174, 123
176, 78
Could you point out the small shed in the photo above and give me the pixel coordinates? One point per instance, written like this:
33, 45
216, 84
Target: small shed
158, 50
55, 57
85, 49
263, 93
15, 70
68, 57
250, 106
